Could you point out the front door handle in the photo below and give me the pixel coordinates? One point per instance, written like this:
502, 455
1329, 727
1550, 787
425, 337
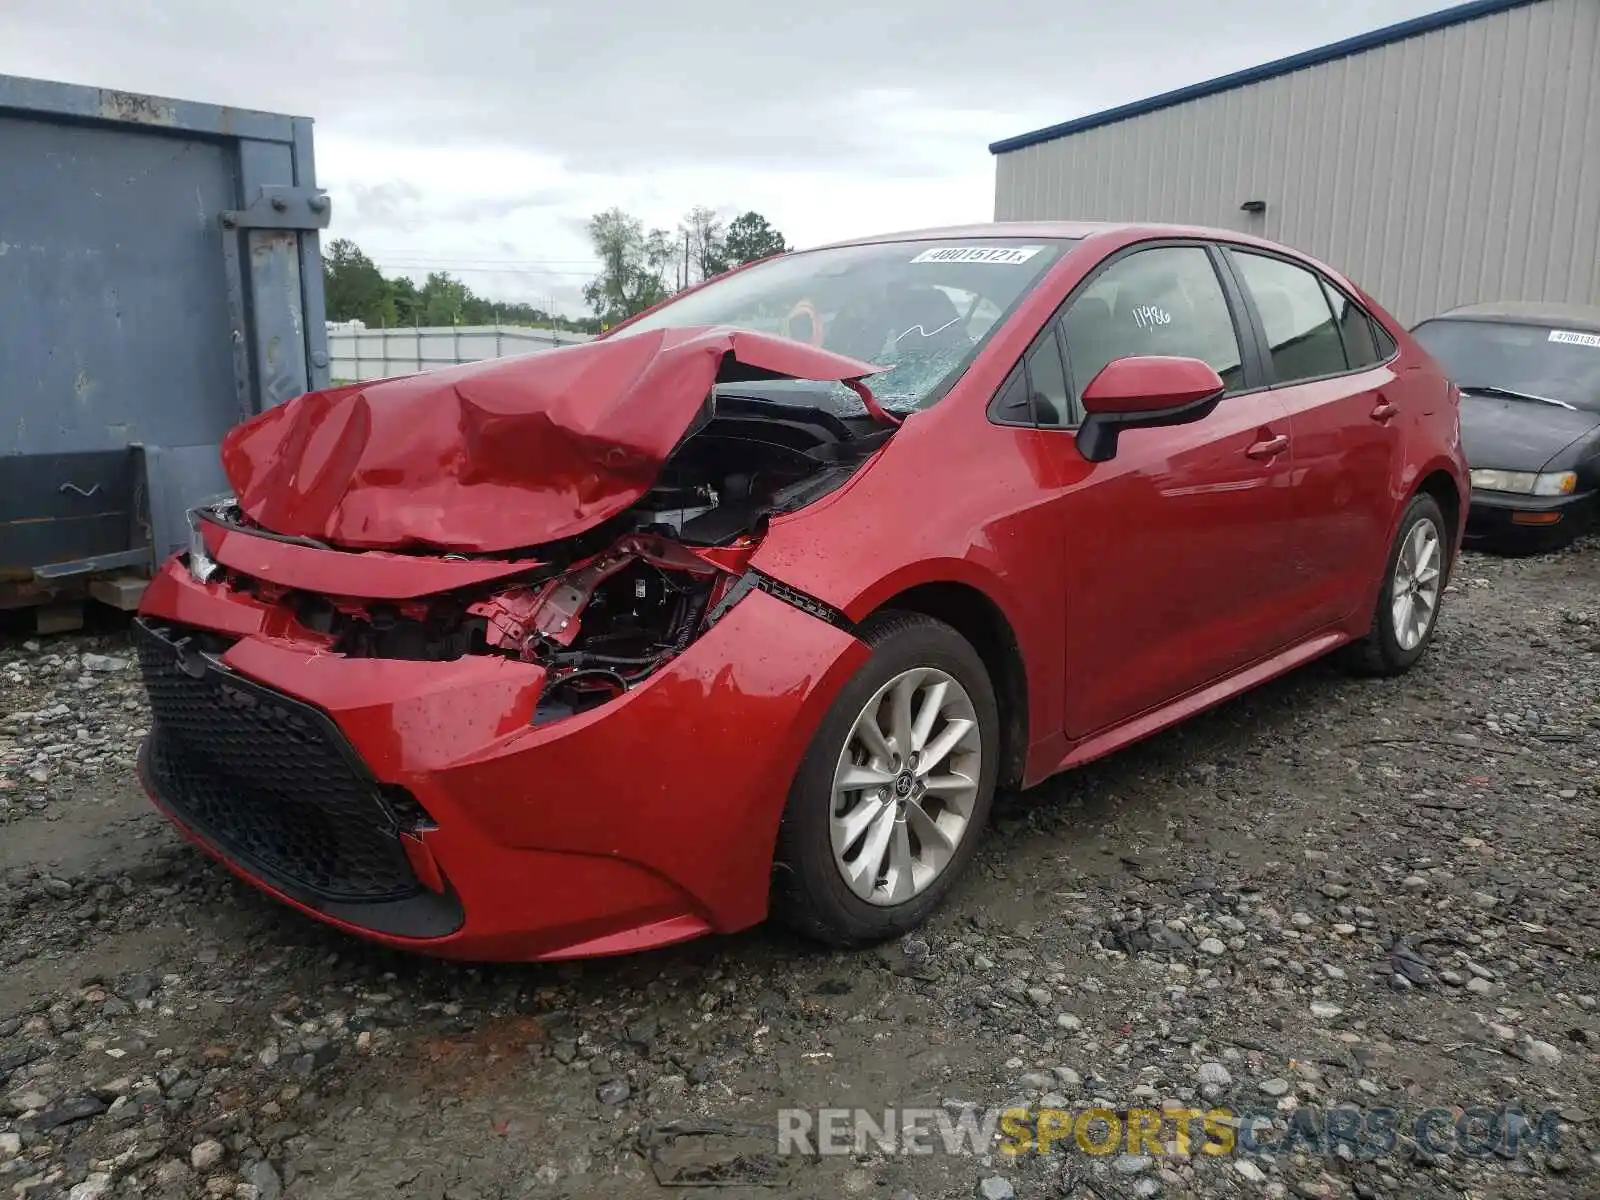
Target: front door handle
1270, 448
1384, 411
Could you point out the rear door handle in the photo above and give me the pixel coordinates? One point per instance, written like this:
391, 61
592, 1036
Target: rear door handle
1270, 448
1384, 411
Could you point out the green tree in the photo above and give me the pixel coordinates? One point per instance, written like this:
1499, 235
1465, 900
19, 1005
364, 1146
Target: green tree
632, 266
704, 233
444, 300
354, 288
408, 303
750, 238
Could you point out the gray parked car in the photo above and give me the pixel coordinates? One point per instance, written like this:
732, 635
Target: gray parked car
1529, 375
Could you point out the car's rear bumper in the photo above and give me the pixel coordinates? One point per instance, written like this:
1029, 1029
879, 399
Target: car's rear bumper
1504, 519
415, 804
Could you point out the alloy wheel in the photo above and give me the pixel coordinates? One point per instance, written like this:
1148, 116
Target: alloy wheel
905, 786
1414, 599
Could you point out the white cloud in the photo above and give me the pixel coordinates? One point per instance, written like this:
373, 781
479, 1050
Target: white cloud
483, 136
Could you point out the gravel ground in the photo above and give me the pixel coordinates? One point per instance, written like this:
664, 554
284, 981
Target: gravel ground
1330, 891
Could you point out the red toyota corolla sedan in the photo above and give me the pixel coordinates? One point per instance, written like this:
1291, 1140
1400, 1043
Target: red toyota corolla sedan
750, 605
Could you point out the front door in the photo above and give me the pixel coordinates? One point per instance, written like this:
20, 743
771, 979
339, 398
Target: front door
1176, 572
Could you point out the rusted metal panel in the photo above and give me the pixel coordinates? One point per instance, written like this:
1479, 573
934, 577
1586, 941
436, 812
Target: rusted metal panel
160, 278
45, 99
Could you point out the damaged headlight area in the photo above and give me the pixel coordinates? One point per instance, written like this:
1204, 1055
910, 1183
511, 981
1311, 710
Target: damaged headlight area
605, 609
202, 568
604, 626
598, 628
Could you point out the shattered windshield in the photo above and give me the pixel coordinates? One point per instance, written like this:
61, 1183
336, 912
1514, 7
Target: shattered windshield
920, 308
1538, 360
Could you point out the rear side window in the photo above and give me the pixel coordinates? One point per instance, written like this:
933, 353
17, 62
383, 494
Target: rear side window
1355, 327
1166, 300
1302, 337
1386, 343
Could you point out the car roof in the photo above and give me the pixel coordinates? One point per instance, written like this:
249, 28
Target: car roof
1056, 229
1116, 233
1582, 317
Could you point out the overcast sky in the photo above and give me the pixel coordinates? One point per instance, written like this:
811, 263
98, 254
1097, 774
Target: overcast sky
480, 140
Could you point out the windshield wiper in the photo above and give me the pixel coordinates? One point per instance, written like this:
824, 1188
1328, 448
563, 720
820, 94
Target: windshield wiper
1512, 394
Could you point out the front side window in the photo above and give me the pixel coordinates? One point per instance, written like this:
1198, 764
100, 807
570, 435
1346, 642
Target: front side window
1552, 362
1301, 335
1163, 301
921, 308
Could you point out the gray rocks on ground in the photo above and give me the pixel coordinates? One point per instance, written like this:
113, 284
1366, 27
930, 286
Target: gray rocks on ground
1332, 890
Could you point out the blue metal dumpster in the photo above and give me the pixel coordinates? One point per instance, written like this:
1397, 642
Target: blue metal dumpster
160, 280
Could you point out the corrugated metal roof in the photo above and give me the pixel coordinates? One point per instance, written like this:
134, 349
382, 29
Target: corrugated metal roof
1282, 66
1436, 171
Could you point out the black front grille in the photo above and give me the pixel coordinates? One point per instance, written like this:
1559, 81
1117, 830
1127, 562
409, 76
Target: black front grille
267, 779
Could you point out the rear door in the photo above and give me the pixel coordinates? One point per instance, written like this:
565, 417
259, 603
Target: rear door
1175, 548
1328, 371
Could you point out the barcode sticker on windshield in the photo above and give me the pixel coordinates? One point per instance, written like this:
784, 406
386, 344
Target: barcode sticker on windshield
1009, 256
1568, 337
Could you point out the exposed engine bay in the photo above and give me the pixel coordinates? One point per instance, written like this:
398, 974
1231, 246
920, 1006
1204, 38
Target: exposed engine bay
746, 460
605, 609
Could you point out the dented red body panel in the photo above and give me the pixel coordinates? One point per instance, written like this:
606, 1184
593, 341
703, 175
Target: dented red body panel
374, 575
556, 837
495, 455
1110, 598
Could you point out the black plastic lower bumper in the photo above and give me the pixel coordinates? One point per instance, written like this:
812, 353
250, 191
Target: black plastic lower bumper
270, 784
1497, 519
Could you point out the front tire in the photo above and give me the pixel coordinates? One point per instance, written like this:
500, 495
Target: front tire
894, 792
1407, 611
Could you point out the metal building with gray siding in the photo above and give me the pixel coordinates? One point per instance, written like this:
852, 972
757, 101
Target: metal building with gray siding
1449, 159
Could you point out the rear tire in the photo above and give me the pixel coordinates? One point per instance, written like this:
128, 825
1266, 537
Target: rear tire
875, 833
1407, 611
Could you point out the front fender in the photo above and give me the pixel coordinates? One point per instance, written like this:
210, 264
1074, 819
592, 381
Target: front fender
857, 591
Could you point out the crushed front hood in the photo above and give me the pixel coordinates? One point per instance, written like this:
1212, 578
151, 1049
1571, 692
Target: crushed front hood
497, 455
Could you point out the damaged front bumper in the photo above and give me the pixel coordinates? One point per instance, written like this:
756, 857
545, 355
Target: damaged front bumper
437, 804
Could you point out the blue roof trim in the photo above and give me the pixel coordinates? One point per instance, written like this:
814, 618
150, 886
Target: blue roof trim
1427, 23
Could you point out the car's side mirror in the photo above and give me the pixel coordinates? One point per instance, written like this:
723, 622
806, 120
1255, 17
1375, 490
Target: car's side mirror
1142, 393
